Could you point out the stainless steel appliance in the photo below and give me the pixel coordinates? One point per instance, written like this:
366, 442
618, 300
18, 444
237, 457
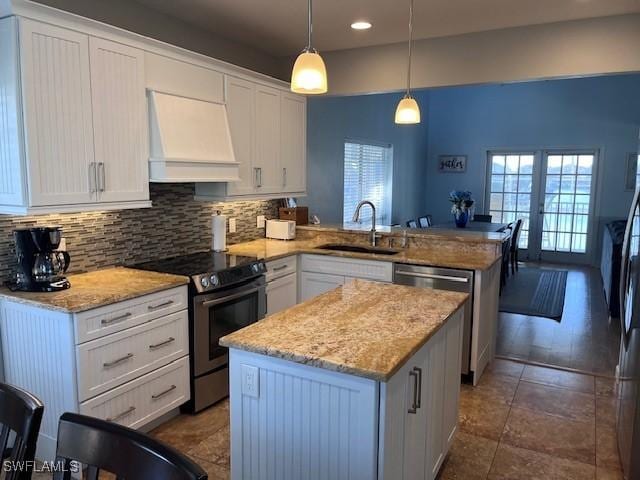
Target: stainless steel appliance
226, 293
40, 264
443, 279
628, 421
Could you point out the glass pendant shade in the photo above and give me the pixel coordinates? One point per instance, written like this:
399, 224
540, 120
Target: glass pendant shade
408, 111
309, 75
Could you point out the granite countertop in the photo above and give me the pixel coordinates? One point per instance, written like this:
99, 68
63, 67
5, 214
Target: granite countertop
97, 289
459, 234
362, 328
269, 249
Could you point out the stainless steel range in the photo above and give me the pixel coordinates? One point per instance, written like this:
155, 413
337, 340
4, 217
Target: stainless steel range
226, 293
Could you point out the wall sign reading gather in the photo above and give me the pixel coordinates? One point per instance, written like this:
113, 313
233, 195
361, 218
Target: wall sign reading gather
452, 163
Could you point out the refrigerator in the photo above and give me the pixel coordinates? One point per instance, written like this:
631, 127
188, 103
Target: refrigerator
628, 421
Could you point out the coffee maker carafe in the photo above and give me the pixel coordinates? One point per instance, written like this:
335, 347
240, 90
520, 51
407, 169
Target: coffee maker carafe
40, 264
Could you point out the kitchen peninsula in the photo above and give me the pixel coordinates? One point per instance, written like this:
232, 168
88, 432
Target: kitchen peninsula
360, 382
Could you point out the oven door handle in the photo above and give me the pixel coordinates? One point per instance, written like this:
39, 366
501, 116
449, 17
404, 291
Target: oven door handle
228, 298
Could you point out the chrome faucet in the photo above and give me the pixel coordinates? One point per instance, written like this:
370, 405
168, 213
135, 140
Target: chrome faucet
356, 218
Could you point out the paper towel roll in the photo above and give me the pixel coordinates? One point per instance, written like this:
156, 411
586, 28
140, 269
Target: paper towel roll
219, 232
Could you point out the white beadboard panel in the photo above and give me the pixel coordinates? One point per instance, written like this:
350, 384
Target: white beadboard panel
119, 120
109, 319
12, 183
133, 352
38, 356
57, 103
306, 423
133, 404
353, 268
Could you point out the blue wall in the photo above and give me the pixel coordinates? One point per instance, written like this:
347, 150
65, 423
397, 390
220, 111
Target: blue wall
369, 117
602, 113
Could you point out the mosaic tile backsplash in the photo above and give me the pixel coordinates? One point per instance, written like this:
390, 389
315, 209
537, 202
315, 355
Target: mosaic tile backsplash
175, 225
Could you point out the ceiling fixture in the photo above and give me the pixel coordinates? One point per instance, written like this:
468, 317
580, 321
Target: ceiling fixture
309, 75
361, 25
408, 111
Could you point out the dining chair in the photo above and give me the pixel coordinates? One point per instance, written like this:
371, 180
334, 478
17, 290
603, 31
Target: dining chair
482, 218
513, 253
128, 454
20, 414
506, 249
412, 224
425, 222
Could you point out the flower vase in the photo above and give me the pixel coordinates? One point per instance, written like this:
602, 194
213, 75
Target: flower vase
462, 217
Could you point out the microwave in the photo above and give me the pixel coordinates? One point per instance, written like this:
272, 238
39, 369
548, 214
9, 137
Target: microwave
281, 229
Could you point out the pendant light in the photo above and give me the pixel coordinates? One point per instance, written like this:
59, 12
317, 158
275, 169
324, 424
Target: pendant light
309, 74
408, 111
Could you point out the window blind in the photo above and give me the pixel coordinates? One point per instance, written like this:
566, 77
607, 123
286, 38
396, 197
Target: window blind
367, 176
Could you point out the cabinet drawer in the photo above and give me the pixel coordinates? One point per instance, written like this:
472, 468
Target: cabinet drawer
144, 399
116, 359
281, 267
354, 268
102, 321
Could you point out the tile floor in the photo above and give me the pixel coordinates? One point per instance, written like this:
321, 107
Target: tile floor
583, 339
521, 422
529, 422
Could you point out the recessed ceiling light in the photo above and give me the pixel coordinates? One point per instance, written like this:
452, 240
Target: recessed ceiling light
361, 25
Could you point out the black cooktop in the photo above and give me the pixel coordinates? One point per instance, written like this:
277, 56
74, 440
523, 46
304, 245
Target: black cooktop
197, 263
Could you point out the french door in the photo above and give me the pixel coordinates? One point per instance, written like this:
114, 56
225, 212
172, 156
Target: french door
552, 192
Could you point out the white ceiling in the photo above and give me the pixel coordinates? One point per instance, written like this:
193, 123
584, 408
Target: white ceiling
279, 27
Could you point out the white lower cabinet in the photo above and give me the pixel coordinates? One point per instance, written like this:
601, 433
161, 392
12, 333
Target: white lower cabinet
314, 284
282, 293
127, 362
307, 422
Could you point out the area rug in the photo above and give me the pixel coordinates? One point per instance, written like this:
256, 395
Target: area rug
537, 292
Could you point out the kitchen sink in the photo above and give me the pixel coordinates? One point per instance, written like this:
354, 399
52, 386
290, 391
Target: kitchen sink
341, 247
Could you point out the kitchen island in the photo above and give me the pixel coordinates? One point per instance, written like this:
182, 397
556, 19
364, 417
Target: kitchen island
360, 382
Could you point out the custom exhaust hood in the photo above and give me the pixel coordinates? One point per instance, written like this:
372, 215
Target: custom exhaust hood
190, 141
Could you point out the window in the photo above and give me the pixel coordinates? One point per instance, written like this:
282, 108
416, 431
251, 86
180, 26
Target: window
368, 171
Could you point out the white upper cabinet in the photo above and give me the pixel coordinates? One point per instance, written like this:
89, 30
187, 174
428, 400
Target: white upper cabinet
120, 121
56, 89
81, 117
268, 130
293, 144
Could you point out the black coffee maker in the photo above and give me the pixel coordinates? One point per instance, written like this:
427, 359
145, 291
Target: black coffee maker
40, 264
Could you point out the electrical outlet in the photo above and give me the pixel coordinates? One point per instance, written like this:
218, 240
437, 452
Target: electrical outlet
250, 381
260, 221
232, 225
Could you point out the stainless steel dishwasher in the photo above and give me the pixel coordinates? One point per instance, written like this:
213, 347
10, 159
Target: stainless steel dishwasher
443, 279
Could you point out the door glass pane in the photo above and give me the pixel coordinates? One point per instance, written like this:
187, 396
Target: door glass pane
567, 202
512, 174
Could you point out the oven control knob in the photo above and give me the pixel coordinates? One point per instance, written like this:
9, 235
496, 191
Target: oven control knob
214, 280
204, 281
255, 267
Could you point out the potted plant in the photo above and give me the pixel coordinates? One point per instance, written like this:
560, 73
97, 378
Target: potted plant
461, 203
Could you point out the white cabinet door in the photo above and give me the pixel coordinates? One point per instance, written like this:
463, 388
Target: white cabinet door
453, 358
416, 415
57, 111
293, 144
314, 284
435, 450
120, 121
282, 293
267, 141
241, 113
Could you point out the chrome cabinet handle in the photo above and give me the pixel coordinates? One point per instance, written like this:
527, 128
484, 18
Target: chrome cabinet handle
92, 177
419, 402
414, 405
101, 176
277, 269
160, 305
284, 176
162, 344
128, 411
118, 361
109, 321
162, 394
260, 176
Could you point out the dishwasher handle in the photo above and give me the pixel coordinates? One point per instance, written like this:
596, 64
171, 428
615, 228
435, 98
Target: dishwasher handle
433, 276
